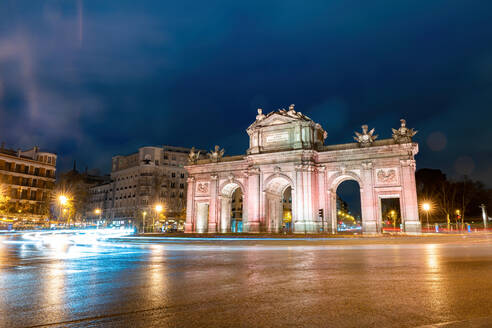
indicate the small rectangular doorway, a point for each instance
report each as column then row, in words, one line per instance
column 391, row 215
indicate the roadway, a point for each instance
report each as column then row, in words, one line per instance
column 438, row 281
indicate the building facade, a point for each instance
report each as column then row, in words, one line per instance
column 140, row 181
column 287, row 152
column 27, row 180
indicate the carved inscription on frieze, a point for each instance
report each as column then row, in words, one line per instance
column 387, row 176
column 277, row 137
column 202, row 187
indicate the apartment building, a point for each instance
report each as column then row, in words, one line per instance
column 140, row 181
column 27, row 180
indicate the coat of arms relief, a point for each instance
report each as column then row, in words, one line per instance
column 202, row 187
column 387, row 176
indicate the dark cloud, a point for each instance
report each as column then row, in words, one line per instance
column 91, row 79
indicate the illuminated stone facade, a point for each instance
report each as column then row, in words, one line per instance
column 287, row 149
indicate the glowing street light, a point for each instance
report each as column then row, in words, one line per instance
column 98, row 211
column 158, row 210
column 144, row 213
column 393, row 216
column 426, row 207
column 63, row 200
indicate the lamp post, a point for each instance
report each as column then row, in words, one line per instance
column 484, row 215
column 97, row 211
column 158, row 210
column 426, row 207
column 144, row 213
column 63, row 200
column 458, row 217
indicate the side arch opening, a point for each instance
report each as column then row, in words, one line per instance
column 346, row 206
column 279, row 210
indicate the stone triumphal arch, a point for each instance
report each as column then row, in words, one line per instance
column 287, row 152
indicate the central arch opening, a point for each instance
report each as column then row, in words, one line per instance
column 232, row 210
column 278, row 205
column 348, row 209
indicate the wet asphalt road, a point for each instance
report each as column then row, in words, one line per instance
column 381, row 282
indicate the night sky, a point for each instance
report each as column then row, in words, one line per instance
column 92, row 79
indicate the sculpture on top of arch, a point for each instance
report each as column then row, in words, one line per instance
column 287, row 149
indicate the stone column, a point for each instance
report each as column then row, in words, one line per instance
column 411, row 220
column 369, row 203
column 190, row 204
column 305, row 221
column 202, row 213
column 310, row 219
column 332, row 211
column 213, row 209
column 225, row 214
column 321, row 204
column 298, row 215
column 253, row 224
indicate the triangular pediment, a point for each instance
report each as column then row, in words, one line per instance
column 277, row 118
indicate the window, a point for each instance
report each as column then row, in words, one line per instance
column 182, row 175
column 173, row 174
column 156, row 162
column 173, row 185
column 174, row 158
column 165, row 156
column 181, row 185
column 181, row 195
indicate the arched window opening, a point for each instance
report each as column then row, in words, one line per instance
column 237, row 211
column 348, row 209
column 287, row 210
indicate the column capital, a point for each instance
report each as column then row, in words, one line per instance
column 214, row 176
column 408, row 162
column 305, row 167
column 253, row 171
column 190, row 179
column 367, row 165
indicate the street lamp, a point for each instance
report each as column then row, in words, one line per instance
column 97, row 211
column 63, row 200
column 144, row 213
column 426, row 207
column 158, row 210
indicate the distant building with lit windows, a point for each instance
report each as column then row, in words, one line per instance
column 27, row 180
column 139, row 181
